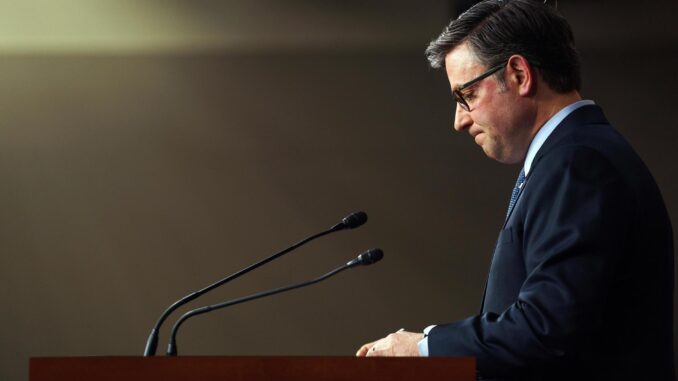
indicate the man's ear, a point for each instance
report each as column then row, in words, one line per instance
column 520, row 74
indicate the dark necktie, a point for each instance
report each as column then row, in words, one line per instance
column 516, row 191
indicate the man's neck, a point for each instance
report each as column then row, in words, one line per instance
column 545, row 106
column 549, row 105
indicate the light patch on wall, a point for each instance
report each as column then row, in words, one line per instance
column 44, row 26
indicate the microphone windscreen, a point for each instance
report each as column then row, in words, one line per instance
column 371, row 256
column 354, row 220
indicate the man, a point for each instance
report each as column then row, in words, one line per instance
column 581, row 281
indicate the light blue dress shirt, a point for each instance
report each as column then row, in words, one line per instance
column 538, row 140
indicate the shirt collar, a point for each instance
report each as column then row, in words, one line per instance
column 546, row 130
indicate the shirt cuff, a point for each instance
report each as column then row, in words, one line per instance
column 422, row 345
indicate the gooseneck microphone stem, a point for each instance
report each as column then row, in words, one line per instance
column 367, row 258
column 172, row 346
column 152, row 342
column 352, row 221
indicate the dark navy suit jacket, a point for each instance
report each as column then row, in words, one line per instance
column 581, row 281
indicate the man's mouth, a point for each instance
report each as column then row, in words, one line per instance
column 476, row 135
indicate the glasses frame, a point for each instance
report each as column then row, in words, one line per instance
column 459, row 96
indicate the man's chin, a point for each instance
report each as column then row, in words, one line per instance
column 490, row 152
column 500, row 156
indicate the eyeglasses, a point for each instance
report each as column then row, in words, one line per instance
column 459, row 96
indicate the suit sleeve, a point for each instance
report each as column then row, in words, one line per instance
column 574, row 210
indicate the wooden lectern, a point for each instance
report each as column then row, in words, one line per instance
column 274, row 368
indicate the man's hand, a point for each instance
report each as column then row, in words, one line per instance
column 400, row 343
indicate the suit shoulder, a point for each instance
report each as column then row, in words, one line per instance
column 598, row 142
column 582, row 161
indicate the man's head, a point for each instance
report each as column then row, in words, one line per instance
column 529, row 49
column 498, row 29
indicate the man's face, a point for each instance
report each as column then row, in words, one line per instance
column 498, row 118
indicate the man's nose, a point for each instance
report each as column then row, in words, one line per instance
column 462, row 119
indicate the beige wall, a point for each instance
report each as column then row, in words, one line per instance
column 129, row 180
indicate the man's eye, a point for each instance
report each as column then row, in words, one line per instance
column 469, row 96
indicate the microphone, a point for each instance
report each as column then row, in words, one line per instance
column 351, row 221
column 367, row 258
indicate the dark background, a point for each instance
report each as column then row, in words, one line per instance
column 148, row 149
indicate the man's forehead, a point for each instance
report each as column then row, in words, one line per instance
column 461, row 64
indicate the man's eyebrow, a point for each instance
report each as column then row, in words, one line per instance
column 456, row 86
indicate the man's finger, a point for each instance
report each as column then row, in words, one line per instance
column 362, row 352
